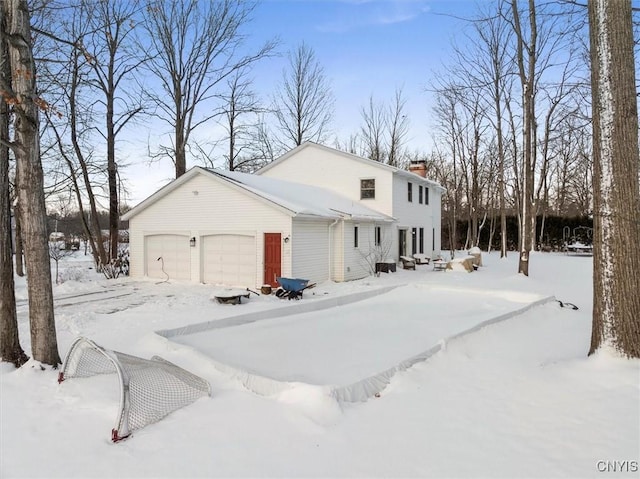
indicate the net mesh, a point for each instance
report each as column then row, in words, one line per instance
column 150, row 388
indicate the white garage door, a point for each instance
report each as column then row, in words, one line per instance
column 229, row 260
column 168, row 256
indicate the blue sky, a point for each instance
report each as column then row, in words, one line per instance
column 366, row 47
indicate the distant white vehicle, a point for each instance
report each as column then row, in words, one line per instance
column 56, row 236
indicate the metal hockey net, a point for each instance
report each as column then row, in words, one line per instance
column 149, row 388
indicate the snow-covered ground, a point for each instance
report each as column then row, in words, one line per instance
column 518, row 398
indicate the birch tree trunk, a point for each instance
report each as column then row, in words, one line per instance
column 616, row 275
column 44, row 344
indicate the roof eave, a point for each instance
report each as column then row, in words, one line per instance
column 414, row 176
column 372, row 219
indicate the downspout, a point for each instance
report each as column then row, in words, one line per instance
column 335, row 222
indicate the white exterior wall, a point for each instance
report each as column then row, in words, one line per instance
column 416, row 215
column 437, row 220
column 333, row 171
column 359, row 262
column 339, row 252
column 338, row 247
column 311, row 249
column 203, row 206
column 355, row 265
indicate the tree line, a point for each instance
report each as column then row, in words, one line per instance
column 559, row 231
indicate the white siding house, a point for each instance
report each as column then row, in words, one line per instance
column 237, row 229
column 381, row 187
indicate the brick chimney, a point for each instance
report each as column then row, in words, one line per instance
column 419, row 168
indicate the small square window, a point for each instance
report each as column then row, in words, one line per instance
column 367, row 189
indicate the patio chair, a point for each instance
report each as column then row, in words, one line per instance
column 407, row 262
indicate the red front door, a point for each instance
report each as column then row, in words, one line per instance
column 272, row 258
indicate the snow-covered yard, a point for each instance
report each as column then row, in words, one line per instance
column 518, row 398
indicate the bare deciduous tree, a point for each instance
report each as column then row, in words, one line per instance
column 448, row 125
column 351, row 145
column 495, row 38
column 527, row 76
column 398, row 127
column 113, row 63
column 616, row 282
column 194, row 47
column 10, row 349
column 87, row 65
column 66, row 73
column 304, row 103
column 471, row 125
column 56, row 253
column 263, row 145
column 372, row 131
column 22, row 95
column 241, row 102
column 384, row 130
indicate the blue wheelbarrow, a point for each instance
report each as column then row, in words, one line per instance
column 292, row 288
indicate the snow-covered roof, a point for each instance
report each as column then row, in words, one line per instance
column 297, row 199
column 302, row 200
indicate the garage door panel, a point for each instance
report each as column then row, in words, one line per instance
column 229, row 260
column 168, row 255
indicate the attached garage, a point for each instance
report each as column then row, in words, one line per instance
column 229, row 259
column 236, row 229
column 167, row 255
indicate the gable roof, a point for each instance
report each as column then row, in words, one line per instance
column 296, row 199
column 393, row 169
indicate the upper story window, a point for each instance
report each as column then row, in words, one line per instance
column 410, row 192
column 426, row 195
column 420, row 194
column 367, row 189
